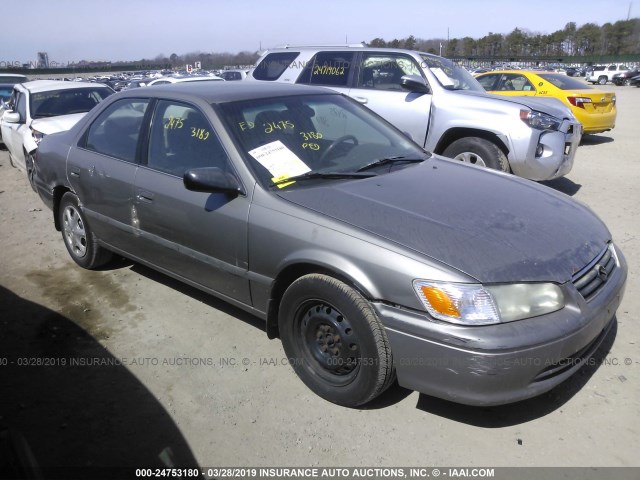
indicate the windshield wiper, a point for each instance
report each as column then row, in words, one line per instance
column 388, row 160
column 324, row 175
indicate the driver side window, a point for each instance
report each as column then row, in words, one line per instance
column 383, row 72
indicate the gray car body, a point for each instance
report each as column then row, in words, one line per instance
column 376, row 234
column 441, row 116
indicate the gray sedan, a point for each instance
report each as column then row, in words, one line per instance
column 369, row 257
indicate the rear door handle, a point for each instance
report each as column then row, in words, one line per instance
column 75, row 171
column 362, row 100
column 144, row 196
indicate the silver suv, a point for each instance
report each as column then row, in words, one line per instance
column 439, row 105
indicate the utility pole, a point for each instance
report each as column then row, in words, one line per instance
column 629, row 11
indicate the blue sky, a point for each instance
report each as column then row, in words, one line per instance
column 73, row 30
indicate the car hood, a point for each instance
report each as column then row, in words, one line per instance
column 491, row 226
column 548, row 105
column 60, row 123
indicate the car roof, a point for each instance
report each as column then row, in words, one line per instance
column 222, row 92
column 530, row 72
column 333, row 48
column 11, row 76
column 36, row 86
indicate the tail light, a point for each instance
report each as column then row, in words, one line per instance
column 579, row 101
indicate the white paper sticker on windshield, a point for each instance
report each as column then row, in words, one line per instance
column 440, row 75
column 279, row 160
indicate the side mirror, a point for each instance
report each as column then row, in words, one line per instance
column 414, row 83
column 11, row 117
column 211, row 180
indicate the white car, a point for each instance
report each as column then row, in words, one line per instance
column 235, row 74
column 7, row 81
column 167, row 80
column 43, row 107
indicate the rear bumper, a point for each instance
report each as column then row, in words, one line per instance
column 598, row 122
column 498, row 364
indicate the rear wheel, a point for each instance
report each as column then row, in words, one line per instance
column 80, row 241
column 478, row 151
column 627, row 82
column 602, row 80
column 335, row 341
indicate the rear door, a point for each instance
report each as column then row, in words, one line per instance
column 102, row 168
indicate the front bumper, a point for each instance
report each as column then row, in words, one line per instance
column 558, row 151
column 505, row 363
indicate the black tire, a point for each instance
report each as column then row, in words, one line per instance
column 80, row 241
column 31, row 169
column 335, row 341
column 602, row 80
column 478, row 151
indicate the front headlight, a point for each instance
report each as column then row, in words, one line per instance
column 37, row 136
column 474, row 304
column 539, row 120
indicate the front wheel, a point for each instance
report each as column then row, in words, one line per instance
column 80, row 241
column 335, row 341
column 478, row 151
column 31, row 168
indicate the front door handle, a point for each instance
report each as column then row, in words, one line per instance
column 362, row 100
column 75, row 171
column 144, row 196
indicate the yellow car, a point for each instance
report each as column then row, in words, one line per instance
column 595, row 109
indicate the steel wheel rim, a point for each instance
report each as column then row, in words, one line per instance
column 330, row 344
column 470, row 157
column 74, row 231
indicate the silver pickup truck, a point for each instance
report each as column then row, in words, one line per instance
column 439, row 105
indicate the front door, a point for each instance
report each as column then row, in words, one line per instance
column 377, row 86
column 201, row 237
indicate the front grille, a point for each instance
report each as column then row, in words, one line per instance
column 592, row 278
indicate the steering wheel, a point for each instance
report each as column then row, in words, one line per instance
column 335, row 143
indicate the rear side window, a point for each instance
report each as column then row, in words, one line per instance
column 328, row 68
column 273, row 65
column 563, row 82
column 116, row 131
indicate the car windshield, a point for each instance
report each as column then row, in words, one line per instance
column 563, row 82
column 5, row 91
column 315, row 137
column 67, row 101
column 450, row 75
